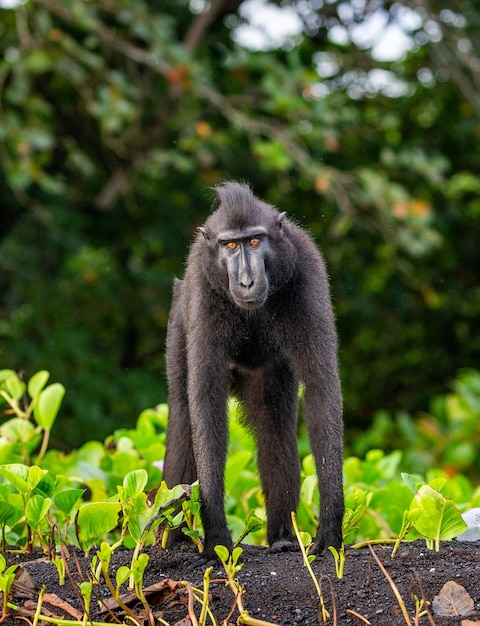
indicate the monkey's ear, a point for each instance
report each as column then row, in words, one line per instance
column 204, row 231
column 280, row 219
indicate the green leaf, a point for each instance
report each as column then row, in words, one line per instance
column 86, row 588
column 46, row 485
column 66, row 500
column 36, row 509
column 35, row 476
column 15, row 387
column 139, row 516
column 139, row 565
column 334, row 551
column 435, row 516
column 412, row 481
column 438, row 483
column 122, row 575
column 254, row 523
column 7, row 578
column 17, row 475
column 7, row 511
column 236, row 554
column 135, row 482
column 193, row 534
column 37, row 382
column 48, row 404
column 18, row 430
column 222, row 553
column 305, row 538
column 308, row 490
column 6, row 374
column 166, row 498
column 105, row 555
column 94, row 520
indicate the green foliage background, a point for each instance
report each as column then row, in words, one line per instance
column 118, row 115
column 48, row 495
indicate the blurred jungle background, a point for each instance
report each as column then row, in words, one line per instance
column 360, row 118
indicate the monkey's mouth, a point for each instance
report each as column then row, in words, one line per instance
column 250, row 303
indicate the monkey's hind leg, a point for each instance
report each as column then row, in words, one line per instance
column 270, row 399
column 179, row 463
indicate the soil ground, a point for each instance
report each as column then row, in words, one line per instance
column 277, row 586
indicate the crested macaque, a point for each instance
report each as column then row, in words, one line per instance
column 253, row 317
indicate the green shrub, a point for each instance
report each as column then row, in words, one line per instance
column 42, row 490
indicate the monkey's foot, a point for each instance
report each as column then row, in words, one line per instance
column 322, row 542
column 284, row 545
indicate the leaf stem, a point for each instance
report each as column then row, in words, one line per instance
column 393, row 586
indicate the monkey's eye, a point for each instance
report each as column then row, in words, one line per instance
column 254, row 242
column 231, row 245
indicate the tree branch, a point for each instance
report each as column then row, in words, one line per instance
column 200, row 25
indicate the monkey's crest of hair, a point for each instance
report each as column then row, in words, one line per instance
column 240, row 208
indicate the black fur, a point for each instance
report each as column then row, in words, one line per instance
column 259, row 341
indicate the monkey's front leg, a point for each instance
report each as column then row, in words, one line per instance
column 208, row 400
column 324, row 418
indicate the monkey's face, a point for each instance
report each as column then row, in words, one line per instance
column 244, row 256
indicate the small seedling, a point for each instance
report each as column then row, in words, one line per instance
column 360, row 500
column 252, row 524
column 7, row 577
column 86, row 588
column 137, row 572
column 419, row 609
column 32, row 484
column 304, row 539
column 230, row 562
column 104, row 556
column 407, row 524
column 38, row 614
column 43, row 406
column 339, row 557
column 191, row 516
column 232, row 566
column 202, row 620
column 59, row 563
column 141, row 516
column 433, row 515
